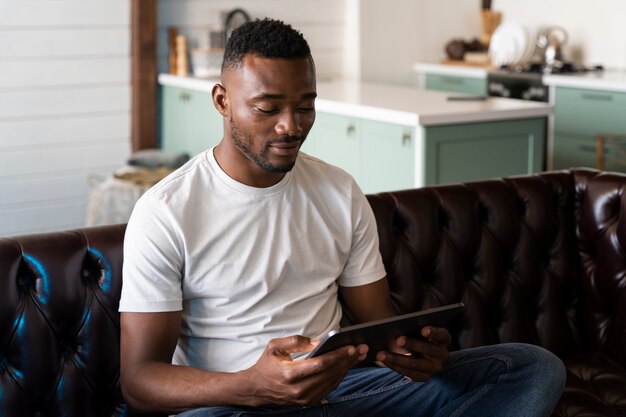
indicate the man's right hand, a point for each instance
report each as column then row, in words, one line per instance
column 277, row 379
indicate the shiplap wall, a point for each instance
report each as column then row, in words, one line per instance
column 64, row 107
column 322, row 22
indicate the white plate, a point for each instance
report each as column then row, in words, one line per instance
column 509, row 44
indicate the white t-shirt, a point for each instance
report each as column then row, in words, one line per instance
column 247, row 264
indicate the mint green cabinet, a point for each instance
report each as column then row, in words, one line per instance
column 456, row 84
column 467, row 152
column 379, row 156
column 388, row 156
column 335, row 139
column 189, row 121
column 580, row 115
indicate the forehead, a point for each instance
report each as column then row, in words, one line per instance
column 259, row 75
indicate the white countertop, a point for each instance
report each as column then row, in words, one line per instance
column 610, row 80
column 605, row 80
column 412, row 106
column 455, row 70
column 399, row 105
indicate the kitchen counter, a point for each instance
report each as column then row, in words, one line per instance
column 454, row 70
column 396, row 104
column 609, row 80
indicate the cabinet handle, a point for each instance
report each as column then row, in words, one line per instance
column 184, row 96
column 452, row 80
column 587, row 148
column 406, row 137
column 597, row 97
column 350, row 128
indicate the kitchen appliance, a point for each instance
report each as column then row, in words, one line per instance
column 551, row 42
column 526, row 81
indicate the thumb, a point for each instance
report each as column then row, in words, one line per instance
column 291, row 344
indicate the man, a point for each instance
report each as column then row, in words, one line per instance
column 234, row 262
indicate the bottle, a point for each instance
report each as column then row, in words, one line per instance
column 171, row 37
column 182, row 65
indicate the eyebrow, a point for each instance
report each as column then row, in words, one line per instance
column 268, row 96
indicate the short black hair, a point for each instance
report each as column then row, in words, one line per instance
column 267, row 38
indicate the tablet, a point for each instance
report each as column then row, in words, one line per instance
column 380, row 334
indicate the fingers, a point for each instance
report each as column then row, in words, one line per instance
column 285, row 345
column 416, row 367
column 339, row 360
column 437, row 335
column 416, row 358
column 279, row 380
column 434, row 345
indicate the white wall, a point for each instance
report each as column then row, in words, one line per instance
column 597, row 29
column 322, row 22
column 397, row 33
column 64, row 107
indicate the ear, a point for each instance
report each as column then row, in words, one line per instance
column 220, row 100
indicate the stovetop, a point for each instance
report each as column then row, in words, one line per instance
column 540, row 69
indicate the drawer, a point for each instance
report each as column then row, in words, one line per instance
column 573, row 151
column 589, row 112
column 456, row 84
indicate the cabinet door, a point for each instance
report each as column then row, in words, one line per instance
column 335, row 139
column 466, row 152
column 580, row 151
column 589, row 112
column 388, row 156
column 456, row 84
column 189, row 121
column 573, row 151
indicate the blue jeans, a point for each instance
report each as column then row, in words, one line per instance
column 500, row 380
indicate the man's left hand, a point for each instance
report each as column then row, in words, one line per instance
column 418, row 358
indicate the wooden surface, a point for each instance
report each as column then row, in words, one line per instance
column 144, row 74
column 461, row 63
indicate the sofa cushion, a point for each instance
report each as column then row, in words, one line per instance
column 595, row 387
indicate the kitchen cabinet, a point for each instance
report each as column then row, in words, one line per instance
column 189, row 121
column 466, row 152
column 580, row 115
column 386, row 156
column 335, row 139
column 452, row 78
column 378, row 155
column 456, row 84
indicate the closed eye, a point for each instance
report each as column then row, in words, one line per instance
column 266, row 111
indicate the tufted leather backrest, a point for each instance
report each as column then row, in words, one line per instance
column 509, row 250
column 601, row 220
column 59, row 326
column 538, row 259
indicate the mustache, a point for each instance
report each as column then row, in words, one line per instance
column 287, row 140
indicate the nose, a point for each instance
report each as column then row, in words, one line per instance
column 289, row 124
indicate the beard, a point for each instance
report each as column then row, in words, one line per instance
column 243, row 141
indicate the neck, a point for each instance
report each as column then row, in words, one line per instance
column 241, row 169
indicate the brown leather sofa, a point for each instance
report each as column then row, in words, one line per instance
column 537, row 259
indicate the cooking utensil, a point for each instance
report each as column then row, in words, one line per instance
column 552, row 41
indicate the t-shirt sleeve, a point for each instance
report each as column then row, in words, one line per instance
column 153, row 261
column 364, row 264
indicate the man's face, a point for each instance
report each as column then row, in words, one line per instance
column 272, row 110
